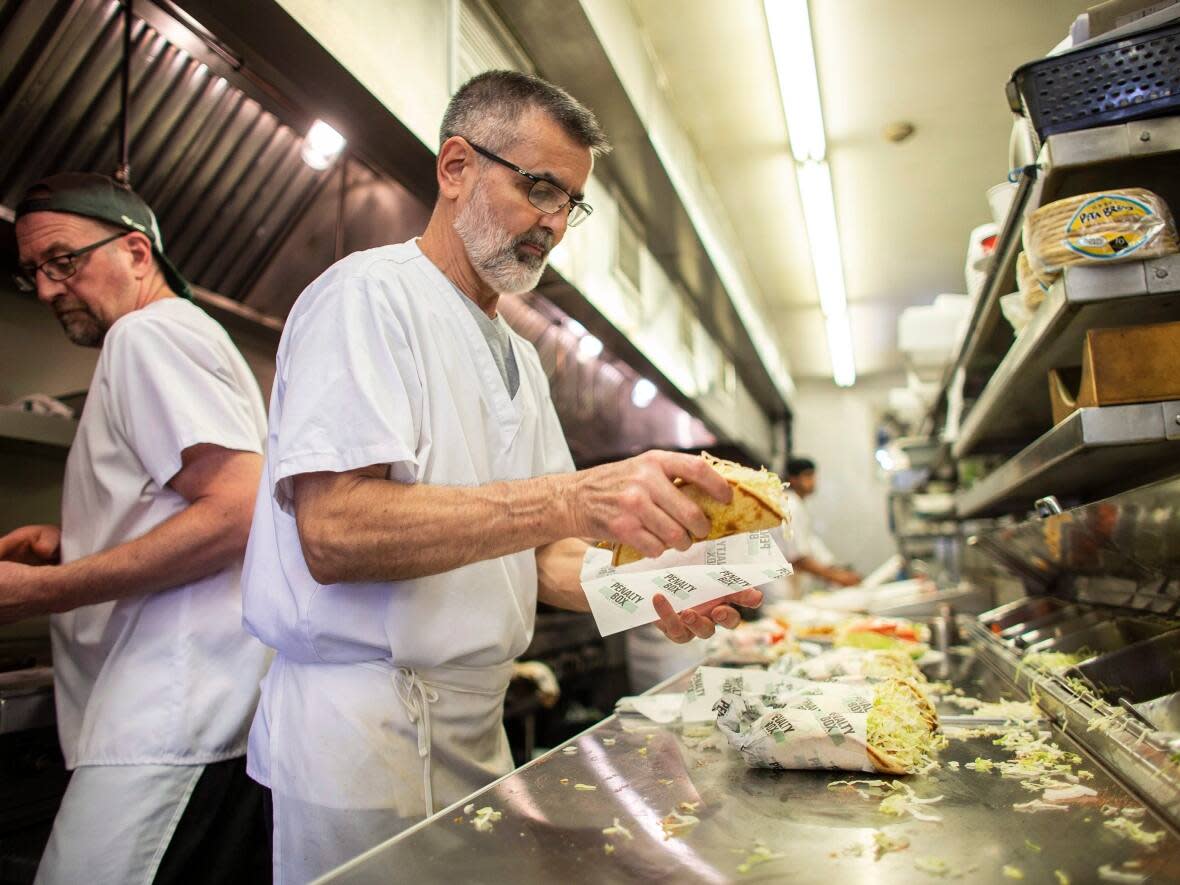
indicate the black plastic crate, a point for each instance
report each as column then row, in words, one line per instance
column 1111, row 82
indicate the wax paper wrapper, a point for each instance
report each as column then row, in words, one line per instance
column 814, row 726
column 710, row 684
column 621, row 598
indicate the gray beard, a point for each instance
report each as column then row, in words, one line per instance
column 494, row 254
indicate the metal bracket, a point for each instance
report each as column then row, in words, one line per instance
column 1171, row 419
column 1049, row 505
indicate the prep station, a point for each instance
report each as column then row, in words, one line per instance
column 1012, row 453
column 603, row 806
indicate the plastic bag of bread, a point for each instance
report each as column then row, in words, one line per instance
column 1033, row 286
column 888, row 726
column 759, row 502
column 1099, row 228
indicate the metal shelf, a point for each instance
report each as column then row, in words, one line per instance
column 1014, row 407
column 26, row 430
column 1094, row 452
column 1143, row 153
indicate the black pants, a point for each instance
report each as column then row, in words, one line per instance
column 222, row 836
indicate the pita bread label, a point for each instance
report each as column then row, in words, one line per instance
column 622, row 597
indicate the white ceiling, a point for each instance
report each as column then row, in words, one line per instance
column 905, row 211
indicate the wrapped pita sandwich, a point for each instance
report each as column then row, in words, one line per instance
column 759, row 502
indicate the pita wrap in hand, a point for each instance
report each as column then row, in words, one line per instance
column 758, row 503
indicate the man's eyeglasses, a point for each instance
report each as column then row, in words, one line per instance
column 544, row 194
column 59, row 267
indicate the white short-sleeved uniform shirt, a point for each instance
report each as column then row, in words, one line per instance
column 169, row 677
column 382, row 363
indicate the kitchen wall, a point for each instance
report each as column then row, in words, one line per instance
column 836, row 427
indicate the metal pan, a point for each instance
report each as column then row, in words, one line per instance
column 1020, row 611
column 1058, row 616
column 1102, row 637
column 1139, row 672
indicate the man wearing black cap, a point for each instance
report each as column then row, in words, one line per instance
column 155, row 680
column 808, row 554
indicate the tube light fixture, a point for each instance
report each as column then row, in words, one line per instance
column 794, row 61
column 840, row 350
column 819, row 215
column 789, row 24
column 322, row 145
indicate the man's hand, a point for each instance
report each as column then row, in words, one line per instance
column 635, row 501
column 700, row 621
column 32, row 545
column 21, row 590
column 844, row 577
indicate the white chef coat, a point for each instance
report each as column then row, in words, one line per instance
column 802, row 541
column 382, row 363
column 167, row 678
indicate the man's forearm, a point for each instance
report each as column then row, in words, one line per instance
column 203, row 539
column 364, row 528
column 559, row 572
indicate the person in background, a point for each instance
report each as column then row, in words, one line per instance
column 418, row 495
column 155, row 680
column 809, row 555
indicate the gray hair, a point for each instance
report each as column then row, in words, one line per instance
column 488, row 107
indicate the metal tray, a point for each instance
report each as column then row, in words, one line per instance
column 1139, row 672
column 1107, row 636
column 1022, row 610
column 1064, row 613
column 1061, row 629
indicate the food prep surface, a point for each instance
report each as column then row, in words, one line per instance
column 645, row 785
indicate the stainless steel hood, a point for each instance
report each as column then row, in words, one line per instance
column 215, row 149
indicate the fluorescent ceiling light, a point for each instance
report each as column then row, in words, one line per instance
column 840, row 349
column 819, row 214
column 794, row 61
column 789, row 25
column 322, row 145
column 643, row 393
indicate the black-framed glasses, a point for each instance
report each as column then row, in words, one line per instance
column 59, row 267
column 544, row 194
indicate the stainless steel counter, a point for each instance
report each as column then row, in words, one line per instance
column 551, row 831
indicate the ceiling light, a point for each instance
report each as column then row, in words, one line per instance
column 789, row 25
column 322, row 145
column 575, row 327
column 589, row 347
column 794, row 61
column 643, row 393
column 819, row 214
column 840, row 349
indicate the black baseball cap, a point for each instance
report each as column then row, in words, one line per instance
column 97, row 196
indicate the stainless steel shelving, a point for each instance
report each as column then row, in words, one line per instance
column 1095, row 451
column 1015, row 404
column 1144, row 153
column 42, row 432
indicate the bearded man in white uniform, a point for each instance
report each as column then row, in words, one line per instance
column 155, row 680
column 418, row 495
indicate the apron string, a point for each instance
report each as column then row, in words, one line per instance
column 416, row 696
